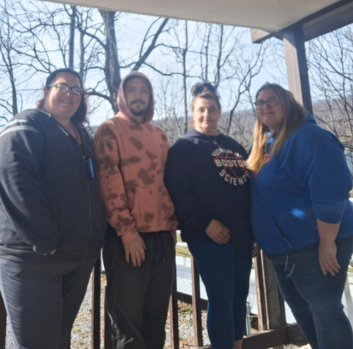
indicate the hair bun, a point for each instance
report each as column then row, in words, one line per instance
column 203, row 87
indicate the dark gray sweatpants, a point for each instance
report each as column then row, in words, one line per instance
column 138, row 297
column 42, row 301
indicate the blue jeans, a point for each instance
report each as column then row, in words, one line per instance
column 225, row 272
column 316, row 299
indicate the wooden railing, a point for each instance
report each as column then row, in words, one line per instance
column 273, row 330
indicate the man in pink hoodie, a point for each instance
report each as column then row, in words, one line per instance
column 139, row 251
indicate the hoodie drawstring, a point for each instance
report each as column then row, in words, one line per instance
column 159, row 249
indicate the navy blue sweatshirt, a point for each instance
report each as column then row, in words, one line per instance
column 209, row 181
column 307, row 180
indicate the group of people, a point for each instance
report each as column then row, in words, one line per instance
column 64, row 195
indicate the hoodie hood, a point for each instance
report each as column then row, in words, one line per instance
column 310, row 118
column 272, row 136
column 124, row 110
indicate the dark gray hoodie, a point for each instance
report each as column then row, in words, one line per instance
column 47, row 202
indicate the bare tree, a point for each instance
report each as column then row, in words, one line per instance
column 94, row 42
column 184, row 53
column 331, row 74
column 245, row 68
column 180, row 45
column 72, row 16
column 169, row 110
column 23, row 53
column 111, row 66
column 41, row 37
column 9, row 63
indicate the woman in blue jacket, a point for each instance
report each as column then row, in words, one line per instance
column 301, row 214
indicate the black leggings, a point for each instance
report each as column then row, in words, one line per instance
column 42, row 301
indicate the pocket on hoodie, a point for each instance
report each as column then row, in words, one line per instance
column 74, row 228
column 152, row 207
column 268, row 234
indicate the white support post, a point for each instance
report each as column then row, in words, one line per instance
column 348, row 298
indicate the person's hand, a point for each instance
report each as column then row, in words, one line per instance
column 218, row 232
column 52, row 252
column 135, row 249
column 327, row 257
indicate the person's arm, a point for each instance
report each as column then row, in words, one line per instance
column 188, row 210
column 329, row 183
column 21, row 191
column 326, row 173
column 165, row 150
column 113, row 193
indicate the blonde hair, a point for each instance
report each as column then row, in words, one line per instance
column 294, row 115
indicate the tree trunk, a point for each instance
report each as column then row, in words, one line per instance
column 82, row 46
column 72, row 37
column 184, row 79
column 112, row 67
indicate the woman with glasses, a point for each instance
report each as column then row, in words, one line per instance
column 208, row 182
column 51, row 217
column 301, row 214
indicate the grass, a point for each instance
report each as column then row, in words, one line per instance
column 181, row 251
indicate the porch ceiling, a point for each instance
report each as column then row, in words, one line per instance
column 269, row 15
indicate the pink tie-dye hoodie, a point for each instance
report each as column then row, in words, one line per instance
column 131, row 158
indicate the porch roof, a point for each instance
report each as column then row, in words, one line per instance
column 316, row 17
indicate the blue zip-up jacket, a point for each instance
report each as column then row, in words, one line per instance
column 307, row 180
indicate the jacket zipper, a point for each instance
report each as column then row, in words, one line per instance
column 87, row 186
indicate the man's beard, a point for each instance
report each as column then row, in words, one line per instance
column 139, row 110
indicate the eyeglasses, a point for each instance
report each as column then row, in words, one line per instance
column 62, row 87
column 271, row 102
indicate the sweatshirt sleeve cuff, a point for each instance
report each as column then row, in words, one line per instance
column 330, row 214
column 329, row 218
column 206, row 223
column 129, row 236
